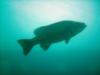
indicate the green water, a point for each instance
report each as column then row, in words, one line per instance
column 81, row 56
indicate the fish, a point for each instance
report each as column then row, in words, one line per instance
column 52, row 33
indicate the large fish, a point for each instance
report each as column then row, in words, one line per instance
column 53, row 33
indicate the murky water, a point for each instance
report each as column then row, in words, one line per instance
column 18, row 19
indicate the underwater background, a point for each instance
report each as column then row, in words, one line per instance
column 19, row 18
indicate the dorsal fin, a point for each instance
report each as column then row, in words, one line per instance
column 39, row 30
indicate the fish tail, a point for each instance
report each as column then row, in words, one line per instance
column 27, row 45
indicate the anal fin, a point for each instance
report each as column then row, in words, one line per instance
column 45, row 46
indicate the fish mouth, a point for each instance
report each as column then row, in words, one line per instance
column 83, row 26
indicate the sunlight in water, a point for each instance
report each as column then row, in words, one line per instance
column 34, row 14
column 51, row 12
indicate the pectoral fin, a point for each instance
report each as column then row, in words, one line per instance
column 45, row 46
column 67, row 40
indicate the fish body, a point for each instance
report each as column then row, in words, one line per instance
column 53, row 33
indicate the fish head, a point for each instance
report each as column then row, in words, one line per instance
column 77, row 27
column 81, row 26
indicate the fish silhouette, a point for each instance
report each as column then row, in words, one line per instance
column 53, row 33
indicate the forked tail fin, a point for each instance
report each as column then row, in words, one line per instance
column 27, row 45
